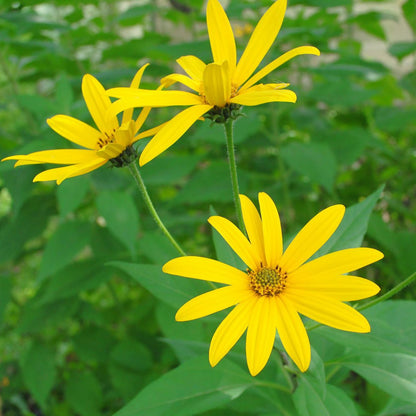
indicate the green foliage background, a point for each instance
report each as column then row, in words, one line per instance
column 83, row 329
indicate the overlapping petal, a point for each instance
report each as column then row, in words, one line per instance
column 257, row 97
column 193, row 66
column 217, row 84
column 183, row 79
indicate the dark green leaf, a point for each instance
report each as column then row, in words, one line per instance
column 5, row 294
column 402, row 49
column 93, row 344
column 131, row 355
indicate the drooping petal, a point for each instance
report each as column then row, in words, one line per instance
column 59, row 156
column 261, row 333
column 312, row 237
column 193, row 66
column 343, row 288
column 202, row 268
column 336, row 263
column 230, row 330
column 183, row 79
column 254, row 228
column 221, row 35
column 292, row 333
column 98, row 103
column 211, row 302
column 327, row 311
column 272, row 230
column 148, row 133
column 301, row 50
column 135, row 83
column 217, row 84
column 257, row 97
column 60, row 174
column 141, row 118
column 171, row 132
column 75, row 130
column 236, row 240
column 260, row 41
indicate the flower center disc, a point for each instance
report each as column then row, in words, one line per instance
column 267, row 282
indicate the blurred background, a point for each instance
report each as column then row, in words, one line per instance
column 80, row 337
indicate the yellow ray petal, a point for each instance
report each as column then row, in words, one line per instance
column 60, row 174
column 98, row 103
column 230, row 330
column 301, row 50
column 60, row 156
column 135, row 83
column 336, row 263
column 312, row 237
column 260, row 41
column 193, row 66
column 221, row 35
column 327, row 311
column 292, row 333
column 75, row 130
column 254, row 228
column 256, row 97
column 172, row 131
column 124, row 135
column 217, row 84
column 236, row 240
column 202, row 268
column 211, row 302
column 183, row 79
column 148, row 133
column 111, row 150
column 141, row 118
column 343, row 288
column 261, row 333
column 272, row 231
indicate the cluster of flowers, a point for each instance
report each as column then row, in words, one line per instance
column 277, row 285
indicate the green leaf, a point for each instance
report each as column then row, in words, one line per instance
column 394, row 373
column 306, row 159
column 67, row 241
column 402, row 49
column 132, row 355
column 83, row 393
column 190, row 389
column 71, row 193
column 156, row 247
column 5, row 294
column 370, row 23
column 394, row 119
column 174, row 291
column 409, row 12
column 93, row 344
column 38, row 369
column 120, row 214
column 338, row 402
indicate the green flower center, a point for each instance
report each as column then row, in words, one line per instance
column 222, row 114
column 267, row 281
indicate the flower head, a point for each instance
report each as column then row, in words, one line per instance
column 110, row 142
column 277, row 286
column 220, row 87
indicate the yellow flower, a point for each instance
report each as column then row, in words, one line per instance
column 222, row 86
column 277, row 285
column 111, row 141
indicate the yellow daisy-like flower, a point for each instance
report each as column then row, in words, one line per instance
column 222, row 86
column 277, row 285
column 111, row 142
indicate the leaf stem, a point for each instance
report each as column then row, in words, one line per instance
column 134, row 170
column 228, row 126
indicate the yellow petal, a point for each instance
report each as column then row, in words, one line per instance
column 171, row 132
column 148, row 133
column 261, row 333
column 292, row 333
column 260, row 41
column 111, row 150
column 221, row 35
column 202, row 268
column 272, row 231
column 60, row 174
column 135, row 83
column 339, row 262
column 301, row 50
column 254, row 228
column 98, row 103
column 236, row 240
column 211, row 302
column 230, row 330
column 193, row 66
column 343, row 288
column 183, row 79
column 61, row 156
column 75, row 130
column 327, row 311
column 312, row 237
column 217, row 84
column 256, row 97
column 143, row 116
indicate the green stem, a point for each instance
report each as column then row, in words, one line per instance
column 134, row 170
column 228, row 126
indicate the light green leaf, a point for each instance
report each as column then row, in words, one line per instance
column 156, row 247
column 190, row 389
column 71, row 194
column 409, row 12
column 339, row 403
